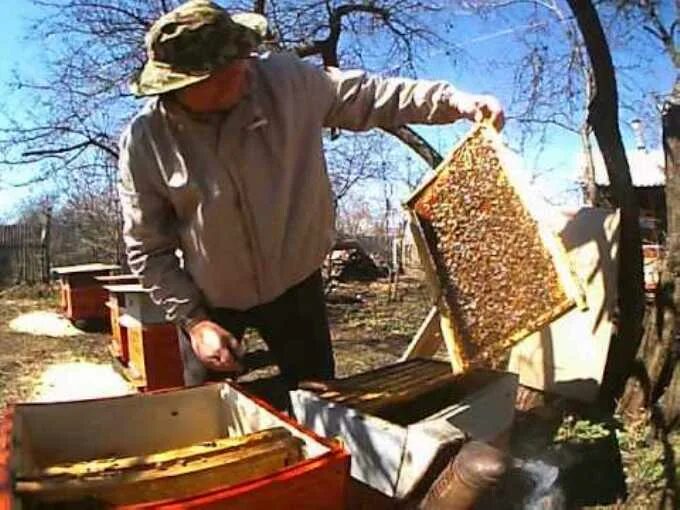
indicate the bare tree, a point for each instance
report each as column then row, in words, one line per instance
column 76, row 108
column 655, row 376
column 573, row 86
column 81, row 101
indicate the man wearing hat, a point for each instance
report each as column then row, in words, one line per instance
column 225, row 163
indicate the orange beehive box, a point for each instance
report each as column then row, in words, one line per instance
column 154, row 361
column 135, row 430
column 142, row 341
column 82, row 296
column 116, row 305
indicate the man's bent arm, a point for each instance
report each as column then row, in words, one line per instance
column 150, row 234
column 358, row 101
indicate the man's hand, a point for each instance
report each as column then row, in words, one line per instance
column 216, row 348
column 479, row 108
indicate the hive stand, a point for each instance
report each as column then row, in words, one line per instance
column 116, row 305
column 82, row 296
column 436, row 328
column 146, row 345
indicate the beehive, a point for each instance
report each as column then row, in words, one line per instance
column 82, row 296
column 497, row 271
column 211, row 446
column 400, row 422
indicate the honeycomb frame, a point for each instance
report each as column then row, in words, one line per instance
column 445, row 237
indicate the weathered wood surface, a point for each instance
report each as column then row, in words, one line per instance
column 427, row 339
column 172, row 474
column 568, row 356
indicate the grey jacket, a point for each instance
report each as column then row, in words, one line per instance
column 245, row 196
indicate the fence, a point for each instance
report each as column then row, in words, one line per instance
column 24, row 253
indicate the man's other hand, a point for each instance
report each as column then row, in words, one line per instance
column 480, row 108
column 216, row 348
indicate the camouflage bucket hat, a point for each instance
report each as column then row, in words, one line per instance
column 187, row 44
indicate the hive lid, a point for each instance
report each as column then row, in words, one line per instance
column 496, row 267
column 126, row 288
column 117, row 278
column 85, row 268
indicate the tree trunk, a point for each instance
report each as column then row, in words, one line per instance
column 671, row 142
column 656, row 361
column 603, row 116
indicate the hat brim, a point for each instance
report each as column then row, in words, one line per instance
column 155, row 79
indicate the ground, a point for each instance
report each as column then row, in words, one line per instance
column 600, row 461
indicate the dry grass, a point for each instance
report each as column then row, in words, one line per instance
column 25, row 357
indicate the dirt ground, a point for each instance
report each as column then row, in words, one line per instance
column 602, row 464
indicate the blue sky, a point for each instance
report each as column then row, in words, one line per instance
column 16, row 53
column 479, row 42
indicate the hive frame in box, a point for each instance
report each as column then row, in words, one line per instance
column 439, row 324
column 398, row 459
column 316, row 483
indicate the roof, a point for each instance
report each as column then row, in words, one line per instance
column 647, row 168
column 117, row 278
column 131, row 287
column 85, row 268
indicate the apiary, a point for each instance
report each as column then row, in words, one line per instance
column 82, row 296
column 401, row 422
column 206, row 447
column 497, row 269
column 142, row 341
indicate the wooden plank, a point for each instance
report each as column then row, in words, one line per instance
column 117, row 278
column 314, row 484
column 125, row 288
column 427, row 339
column 129, row 425
column 568, row 356
column 95, row 267
column 376, row 391
column 458, row 364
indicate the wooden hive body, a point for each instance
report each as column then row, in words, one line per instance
column 82, row 296
column 206, row 447
column 143, row 343
column 153, row 358
column 497, row 270
column 116, row 305
column 402, row 421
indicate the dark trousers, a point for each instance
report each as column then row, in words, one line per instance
column 294, row 326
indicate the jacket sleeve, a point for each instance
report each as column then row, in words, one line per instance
column 358, row 101
column 149, row 231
